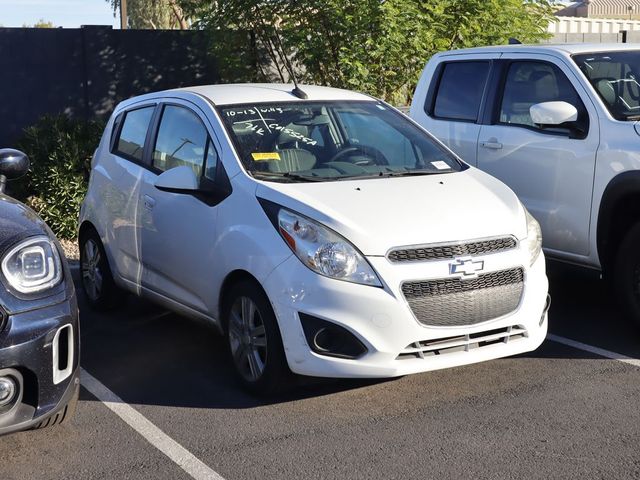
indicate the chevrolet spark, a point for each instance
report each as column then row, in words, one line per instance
column 320, row 230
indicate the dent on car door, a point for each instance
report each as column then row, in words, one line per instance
column 179, row 229
column 550, row 168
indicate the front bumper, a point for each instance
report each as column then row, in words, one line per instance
column 383, row 321
column 42, row 346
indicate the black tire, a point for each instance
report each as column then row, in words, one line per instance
column 275, row 377
column 64, row 415
column 106, row 297
column 627, row 273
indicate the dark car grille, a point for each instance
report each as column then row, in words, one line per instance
column 453, row 301
column 438, row 252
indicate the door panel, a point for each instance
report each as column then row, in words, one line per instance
column 452, row 109
column 551, row 172
column 123, row 192
column 178, row 229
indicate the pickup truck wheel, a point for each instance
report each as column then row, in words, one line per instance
column 254, row 340
column 627, row 273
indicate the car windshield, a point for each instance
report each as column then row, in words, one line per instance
column 325, row 141
column 615, row 76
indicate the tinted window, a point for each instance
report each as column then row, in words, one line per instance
column 460, row 90
column 134, row 132
column 529, row 83
column 182, row 140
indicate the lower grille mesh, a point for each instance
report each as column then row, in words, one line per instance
column 455, row 302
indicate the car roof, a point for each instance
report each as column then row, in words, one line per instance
column 228, row 94
column 561, row 48
column 242, row 93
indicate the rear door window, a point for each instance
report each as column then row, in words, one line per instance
column 460, row 91
column 134, row 132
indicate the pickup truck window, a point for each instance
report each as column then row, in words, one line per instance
column 614, row 75
column 528, row 83
column 460, row 90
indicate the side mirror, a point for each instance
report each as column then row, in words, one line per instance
column 13, row 164
column 553, row 113
column 178, row 180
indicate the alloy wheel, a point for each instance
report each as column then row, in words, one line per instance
column 247, row 339
column 91, row 273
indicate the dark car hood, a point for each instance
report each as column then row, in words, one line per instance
column 17, row 221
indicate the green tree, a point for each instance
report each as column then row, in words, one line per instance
column 153, row 14
column 40, row 24
column 378, row 47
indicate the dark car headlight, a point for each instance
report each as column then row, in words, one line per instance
column 33, row 265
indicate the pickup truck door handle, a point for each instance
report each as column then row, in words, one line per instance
column 491, row 143
column 149, row 202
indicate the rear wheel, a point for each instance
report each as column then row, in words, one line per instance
column 627, row 273
column 254, row 340
column 97, row 280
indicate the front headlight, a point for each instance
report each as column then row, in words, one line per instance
column 534, row 237
column 324, row 251
column 33, row 265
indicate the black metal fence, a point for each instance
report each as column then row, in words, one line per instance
column 85, row 72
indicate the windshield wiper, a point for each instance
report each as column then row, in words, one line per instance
column 395, row 174
column 290, row 176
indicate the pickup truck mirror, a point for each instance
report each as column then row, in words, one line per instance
column 178, row 180
column 553, row 113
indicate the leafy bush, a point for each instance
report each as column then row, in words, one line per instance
column 60, row 151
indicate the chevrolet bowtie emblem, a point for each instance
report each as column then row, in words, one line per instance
column 466, row 267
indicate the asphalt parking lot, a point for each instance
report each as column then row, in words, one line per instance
column 558, row 412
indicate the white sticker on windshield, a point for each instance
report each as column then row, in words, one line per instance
column 440, row 165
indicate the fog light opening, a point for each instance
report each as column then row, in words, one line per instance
column 8, row 390
column 329, row 339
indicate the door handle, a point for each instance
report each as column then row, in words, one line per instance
column 149, row 202
column 491, row 143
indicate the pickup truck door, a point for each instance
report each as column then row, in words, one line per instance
column 550, row 169
column 453, row 100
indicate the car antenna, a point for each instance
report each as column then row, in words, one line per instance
column 297, row 91
column 514, row 41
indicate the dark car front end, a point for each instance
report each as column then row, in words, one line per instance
column 39, row 329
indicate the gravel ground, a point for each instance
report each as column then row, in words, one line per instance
column 70, row 248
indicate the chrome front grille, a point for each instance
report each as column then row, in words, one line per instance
column 462, row 343
column 440, row 252
column 452, row 302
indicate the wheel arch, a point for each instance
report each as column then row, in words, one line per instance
column 619, row 211
column 232, row 278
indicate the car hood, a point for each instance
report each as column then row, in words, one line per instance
column 378, row 214
column 17, row 221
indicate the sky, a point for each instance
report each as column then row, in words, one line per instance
column 63, row 13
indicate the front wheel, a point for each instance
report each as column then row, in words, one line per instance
column 627, row 273
column 254, row 340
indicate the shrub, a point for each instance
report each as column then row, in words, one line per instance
column 60, row 150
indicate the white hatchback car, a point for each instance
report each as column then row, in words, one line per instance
column 323, row 232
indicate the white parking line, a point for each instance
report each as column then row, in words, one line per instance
column 598, row 351
column 156, row 437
